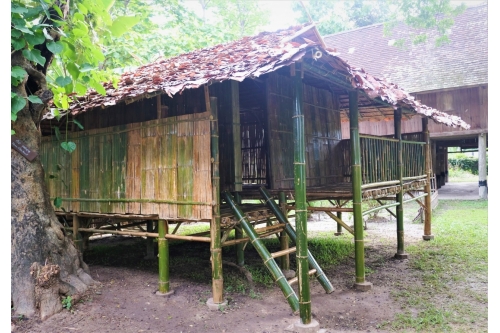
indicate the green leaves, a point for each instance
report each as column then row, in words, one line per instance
column 68, row 146
column 34, row 55
column 55, row 47
column 58, row 203
column 34, row 99
column 17, row 103
column 122, row 24
column 63, row 81
column 17, row 75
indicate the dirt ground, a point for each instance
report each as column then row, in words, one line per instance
column 124, row 300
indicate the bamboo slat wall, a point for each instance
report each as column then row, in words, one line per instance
column 378, row 159
column 154, row 167
column 322, row 133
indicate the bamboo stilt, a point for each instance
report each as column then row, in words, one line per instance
column 428, row 168
column 285, row 260
column 76, row 235
column 163, row 259
column 215, row 230
column 400, row 254
column 359, row 248
column 149, row 241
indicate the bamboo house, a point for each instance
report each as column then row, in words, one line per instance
column 194, row 137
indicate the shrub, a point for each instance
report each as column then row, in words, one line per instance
column 465, row 163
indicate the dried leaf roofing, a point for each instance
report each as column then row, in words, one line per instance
column 251, row 57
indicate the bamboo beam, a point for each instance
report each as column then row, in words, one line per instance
column 215, row 229
column 269, row 262
column 400, row 254
column 428, row 167
column 387, row 209
column 299, row 171
column 359, row 247
column 324, row 209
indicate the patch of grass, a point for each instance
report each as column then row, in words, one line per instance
column 452, row 269
column 329, row 251
column 456, row 175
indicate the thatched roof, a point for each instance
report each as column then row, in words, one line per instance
column 251, row 57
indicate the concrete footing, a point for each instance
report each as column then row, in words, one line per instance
column 363, row 286
column 167, row 294
column 428, row 237
column 401, row 256
column 298, row 327
column 215, row 306
column 338, row 233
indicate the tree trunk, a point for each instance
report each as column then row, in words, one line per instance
column 44, row 262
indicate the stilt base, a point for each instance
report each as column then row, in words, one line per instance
column 338, row 233
column 289, row 274
column 167, row 294
column 428, row 237
column 298, row 327
column 215, row 306
column 363, row 286
column 401, row 256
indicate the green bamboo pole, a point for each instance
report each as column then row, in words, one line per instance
column 359, row 247
column 285, row 260
column 163, row 260
column 428, row 169
column 299, row 172
column 149, row 241
column 269, row 262
column 76, row 235
column 400, row 254
column 238, row 234
column 320, row 275
column 215, row 230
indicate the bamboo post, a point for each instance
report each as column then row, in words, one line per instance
column 359, row 247
column 299, row 172
column 428, row 168
column 215, row 231
column 149, row 241
column 285, row 260
column 269, row 262
column 339, row 216
column 400, row 254
column 76, row 235
column 163, row 260
column 483, row 174
column 238, row 234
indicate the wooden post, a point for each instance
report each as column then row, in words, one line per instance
column 428, row 168
column 163, row 259
column 215, row 231
column 483, row 184
column 400, row 254
column 238, row 234
column 359, row 245
column 339, row 226
column 285, row 260
column 236, row 164
column 299, row 171
column 149, row 241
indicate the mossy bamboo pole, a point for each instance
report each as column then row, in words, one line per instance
column 359, row 246
column 269, row 262
column 299, row 172
column 428, row 168
column 149, row 241
column 163, row 260
column 284, row 243
column 400, row 254
column 238, row 234
column 215, row 229
column 76, row 235
column 320, row 275
column 339, row 216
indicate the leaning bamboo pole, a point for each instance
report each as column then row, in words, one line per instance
column 400, row 253
column 428, row 168
column 215, row 230
column 359, row 246
column 320, row 275
column 238, row 234
column 299, row 171
column 270, row 263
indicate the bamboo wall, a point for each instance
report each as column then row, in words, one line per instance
column 153, row 167
column 322, row 133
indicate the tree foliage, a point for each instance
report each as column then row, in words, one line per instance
column 422, row 15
